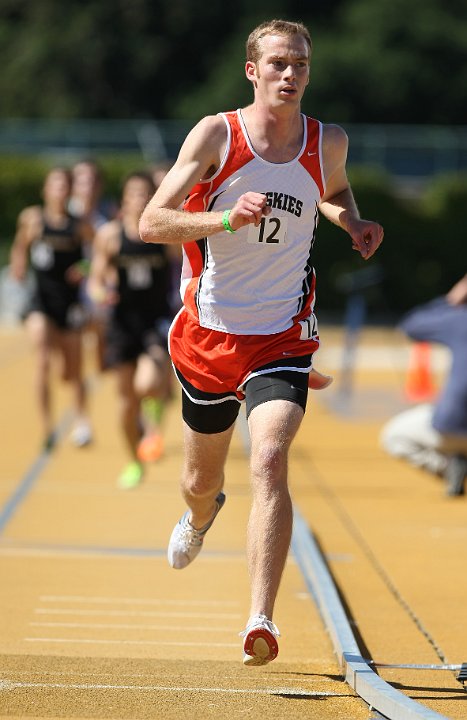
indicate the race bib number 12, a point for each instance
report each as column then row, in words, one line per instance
column 271, row 231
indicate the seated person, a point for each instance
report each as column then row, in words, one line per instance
column 434, row 435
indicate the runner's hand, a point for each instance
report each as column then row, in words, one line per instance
column 248, row 210
column 366, row 236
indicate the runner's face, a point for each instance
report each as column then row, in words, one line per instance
column 56, row 187
column 283, row 70
column 85, row 181
column 136, row 196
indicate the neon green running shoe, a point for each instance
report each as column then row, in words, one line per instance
column 131, row 476
column 152, row 409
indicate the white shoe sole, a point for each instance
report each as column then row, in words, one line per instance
column 180, row 560
column 260, row 647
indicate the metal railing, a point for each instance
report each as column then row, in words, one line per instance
column 412, row 151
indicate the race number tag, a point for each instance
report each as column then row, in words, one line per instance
column 309, row 328
column 139, row 275
column 271, row 231
column 42, row 256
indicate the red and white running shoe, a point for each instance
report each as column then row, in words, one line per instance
column 260, row 644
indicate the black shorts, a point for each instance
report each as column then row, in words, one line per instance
column 211, row 413
column 131, row 335
column 65, row 312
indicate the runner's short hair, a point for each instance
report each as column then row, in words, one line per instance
column 274, row 27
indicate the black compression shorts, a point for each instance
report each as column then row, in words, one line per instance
column 211, row 413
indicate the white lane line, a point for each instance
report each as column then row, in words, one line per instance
column 9, row 685
column 92, row 641
column 135, row 626
column 136, row 613
column 133, row 601
column 141, row 677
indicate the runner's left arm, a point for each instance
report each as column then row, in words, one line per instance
column 338, row 204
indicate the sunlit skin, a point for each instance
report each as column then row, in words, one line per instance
column 282, row 72
column 86, row 185
column 56, row 192
column 136, row 196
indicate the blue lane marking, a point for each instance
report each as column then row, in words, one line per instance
column 107, row 550
column 30, row 478
column 22, row 490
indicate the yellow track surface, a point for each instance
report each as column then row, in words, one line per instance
column 94, row 624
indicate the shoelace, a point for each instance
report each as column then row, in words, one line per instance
column 260, row 621
column 189, row 534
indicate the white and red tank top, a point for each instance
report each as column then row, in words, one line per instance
column 259, row 280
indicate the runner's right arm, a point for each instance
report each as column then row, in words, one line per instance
column 163, row 222
column 28, row 223
column 101, row 281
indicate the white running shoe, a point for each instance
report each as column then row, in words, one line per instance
column 81, row 434
column 260, row 644
column 186, row 542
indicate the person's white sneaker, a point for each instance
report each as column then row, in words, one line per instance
column 81, row 434
column 186, row 542
column 260, row 644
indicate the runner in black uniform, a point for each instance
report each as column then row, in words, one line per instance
column 133, row 277
column 139, row 319
column 88, row 203
column 53, row 253
column 52, row 242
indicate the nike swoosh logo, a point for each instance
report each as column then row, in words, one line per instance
column 311, row 153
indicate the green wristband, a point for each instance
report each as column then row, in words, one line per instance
column 84, row 265
column 225, row 221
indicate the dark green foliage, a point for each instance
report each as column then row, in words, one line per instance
column 423, row 253
column 392, row 61
column 20, row 185
column 389, row 61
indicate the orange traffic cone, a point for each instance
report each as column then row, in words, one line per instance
column 419, row 386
